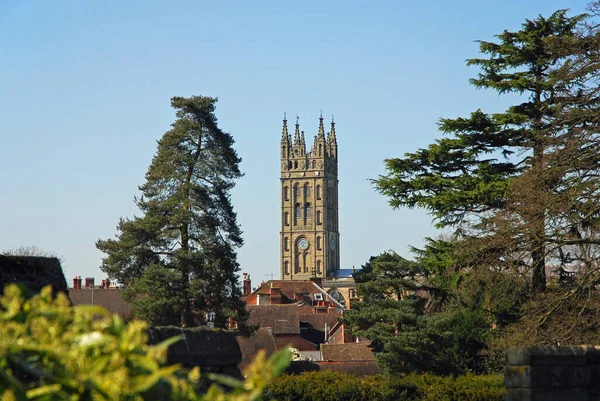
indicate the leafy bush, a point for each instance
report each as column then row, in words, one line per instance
column 334, row 386
column 50, row 350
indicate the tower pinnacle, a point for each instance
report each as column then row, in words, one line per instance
column 297, row 133
column 332, row 132
column 321, row 129
column 284, row 133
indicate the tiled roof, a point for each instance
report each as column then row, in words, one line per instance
column 293, row 290
column 109, row 299
column 318, row 320
column 347, row 352
column 282, row 319
column 262, row 339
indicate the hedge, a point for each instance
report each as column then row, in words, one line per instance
column 335, row 386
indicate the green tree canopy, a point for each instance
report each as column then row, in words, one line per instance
column 178, row 259
column 524, row 179
column 411, row 316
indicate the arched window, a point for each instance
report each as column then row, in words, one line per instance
column 306, row 191
column 286, row 243
column 318, row 267
column 286, row 267
column 286, row 195
column 318, row 192
column 296, row 213
column 307, row 213
column 286, row 219
column 319, row 243
column 304, row 264
column 297, row 264
column 296, row 192
column 319, row 217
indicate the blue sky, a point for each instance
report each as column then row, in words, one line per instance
column 85, row 89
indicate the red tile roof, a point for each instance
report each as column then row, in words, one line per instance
column 347, row 352
column 282, row 319
column 109, row 299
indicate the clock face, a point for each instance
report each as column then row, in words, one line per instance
column 332, row 244
column 303, row 244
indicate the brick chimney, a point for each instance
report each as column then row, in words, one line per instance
column 77, row 283
column 105, row 284
column 89, row 282
column 246, row 285
column 275, row 295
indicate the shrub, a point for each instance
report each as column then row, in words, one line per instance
column 50, row 350
column 330, row 386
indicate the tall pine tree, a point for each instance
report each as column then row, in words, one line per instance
column 514, row 163
column 178, row 259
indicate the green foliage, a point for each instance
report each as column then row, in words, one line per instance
column 178, row 259
column 333, row 386
column 52, row 351
column 412, row 315
column 519, row 182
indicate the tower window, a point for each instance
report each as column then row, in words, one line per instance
column 319, row 243
column 297, row 211
column 319, row 217
column 318, row 267
column 320, row 150
column 286, row 267
column 306, row 191
column 286, row 219
column 286, row 193
column 296, row 164
column 313, row 164
column 304, row 264
column 286, row 244
column 297, row 264
column 318, row 192
column 296, row 192
column 307, row 213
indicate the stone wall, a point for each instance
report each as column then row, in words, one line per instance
column 32, row 271
column 553, row 373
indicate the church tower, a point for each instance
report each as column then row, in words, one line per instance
column 309, row 239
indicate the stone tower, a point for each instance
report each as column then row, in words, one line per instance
column 309, row 239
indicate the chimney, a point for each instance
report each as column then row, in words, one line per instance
column 275, row 296
column 77, row 283
column 105, row 284
column 89, row 282
column 246, row 285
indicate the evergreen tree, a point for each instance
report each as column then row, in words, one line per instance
column 178, row 259
column 409, row 312
column 518, row 177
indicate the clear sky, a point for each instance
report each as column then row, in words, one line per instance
column 85, row 89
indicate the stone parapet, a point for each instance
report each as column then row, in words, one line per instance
column 553, row 373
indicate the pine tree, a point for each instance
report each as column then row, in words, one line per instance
column 178, row 259
column 514, row 164
column 400, row 312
